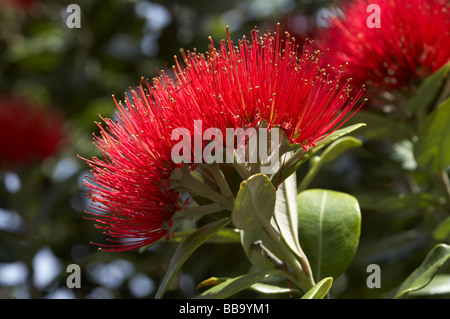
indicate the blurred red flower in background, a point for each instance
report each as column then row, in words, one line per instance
column 411, row 43
column 265, row 79
column 29, row 132
column 24, row 4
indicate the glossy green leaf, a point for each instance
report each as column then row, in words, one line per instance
column 320, row 290
column 422, row 276
column 286, row 214
column 338, row 147
column 439, row 285
column 428, row 91
column 329, row 229
column 332, row 152
column 338, row 134
column 431, row 149
column 262, row 288
column 255, row 202
column 235, row 285
column 185, row 250
column 272, row 289
column 300, row 156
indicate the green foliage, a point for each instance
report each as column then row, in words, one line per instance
column 232, row 286
column 423, row 275
column 438, row 286
column 257, row 245
column 442, row 231
column 187, row 248
column 320, row 290
column 329, row 228
column 379, row 126
column 421, row 102
column 254, row 204
column 300, row 156
column 258, row 287
column 286, row 214
column 331, row 153
column 432, row 148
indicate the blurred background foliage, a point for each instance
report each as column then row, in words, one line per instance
column 75, row 71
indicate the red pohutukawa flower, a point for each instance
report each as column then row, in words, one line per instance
column 262, row 79
column 411, row 42
column 29, row 132
column 130, row 183
column 265, row 80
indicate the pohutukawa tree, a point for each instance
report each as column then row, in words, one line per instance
column 140, row 195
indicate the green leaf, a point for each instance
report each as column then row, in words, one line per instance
column 381, row 126
column 442, row 231
column 235, row 285
column 255, row 202
column 431, row 149
column 338, row 147
column 329, row 228
column 439, row 285
column 332, row 152
column 338, row 134
column 187, row 248
column 262, row 288
column 300, row 156
column 422, row 276
column 272, row 289
column 264, row 256
column 286, row 214
column 210, row 282
column 320, row 290
column 428, row 91
column 223, row 236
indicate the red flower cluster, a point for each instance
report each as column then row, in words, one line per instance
column 130, row 186
column 28, row 132
column 411, row 43
column 264, row 79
